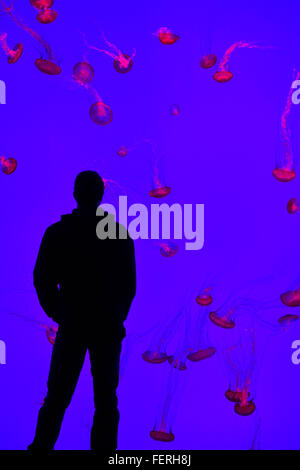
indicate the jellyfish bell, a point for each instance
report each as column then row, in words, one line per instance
column 208, row 61
column 46, row 16
column 8, row 165
column 51, row 333
column 288, row 319
column 154, row 357
column 284, row 174
column 122, row 151
column 201, row 354
column 176, row 363
column 15, row 54
column 47, row 66
column 83, row 73
column 167, row 37
column 168, row 249
column 293, row 206
column 160, row 192
column 123, row 63
column 223, row 76
column 291, row 298
column 245, row 409
column 175, row 110
column 101, row 113
column 162, row 436
column 223, row 322
column 233, row 395
column 204, row 300
column 41, row 4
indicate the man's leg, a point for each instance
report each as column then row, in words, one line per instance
column 105, row 359
column 66, row 363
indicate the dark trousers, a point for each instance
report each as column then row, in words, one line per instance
column 67, row 360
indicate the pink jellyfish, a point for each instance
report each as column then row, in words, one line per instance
column 166, row 36
column 8, row 165
column 223, row 73
column 83, row 73
column 51, row 333
column 122, row 151
column 286, row 320
column 162, row 435
column 208, row 61
column 293, row 206
column 101, row 113
column 224, row 321
column 285, row 172
column 201, row 354
column 155, row 357
column 168, row 249
column 204, row 298
column 160, row 190
column 45, row 15
column 122, row 62
column 13, row 55
column 175, row 110
column 291, row 298
column 47, row 65
column 245, row 407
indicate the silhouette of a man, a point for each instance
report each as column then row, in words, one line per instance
column 86, row 285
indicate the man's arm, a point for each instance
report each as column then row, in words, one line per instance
column 45, row 277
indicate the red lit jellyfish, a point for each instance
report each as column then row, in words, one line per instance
column 240, row 360
column 13, row 55
column 46, row 65
column 174, row 110
column 45, row 14
column 204, row 298
column 51, row 330
column 166, row 36
column 223, row 319
column 168, row 249
column 291, row 298
column 83, row 73
column 286, row 320
column 100, row 112
column 122, row 62
column 293, row 206
column 160, row 189
column 8, row 165
column 208, row 61
column 284, row 171
column 223, row 73
column 200, row 347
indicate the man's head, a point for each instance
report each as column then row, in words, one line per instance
column 88, row 189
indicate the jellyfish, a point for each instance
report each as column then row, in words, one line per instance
column 13, row 55
column 286, row 320
column 122, row 151
column 101, row 113
column 46, row 16
column 8, row 165
column 291, row 298
column 293, row 206
column 50, row 330
column 160, row 189
column 46, row 65
column 208, row 61
column 284, row 171
column 201, row 354
column 240, row 359
column 155, row 357
column 122, row 63
column 83, row 73
column 166, row 36
column 224, row 321
column 175, row 110
column 223, row 73
column 204, row 298
column 168, row 249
